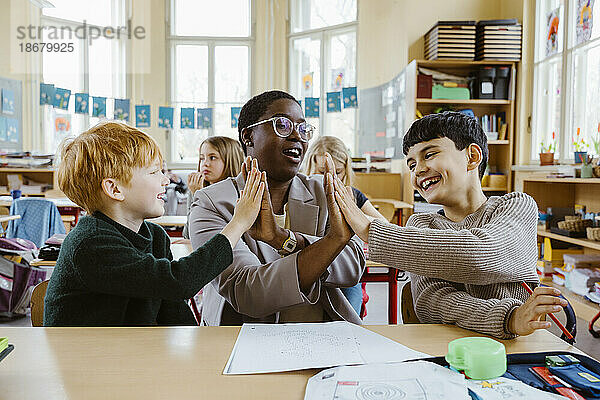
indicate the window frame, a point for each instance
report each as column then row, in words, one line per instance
column 324, row 35
column 122, row 7
column 211, row 42
column 567, row 87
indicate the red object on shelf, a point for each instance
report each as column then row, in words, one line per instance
column 424, row 85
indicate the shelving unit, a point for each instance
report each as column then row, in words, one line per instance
column 41, row 175
column 500, row 151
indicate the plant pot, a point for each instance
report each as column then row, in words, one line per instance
column 546, row 158
column 587, row 171
column 580, row 156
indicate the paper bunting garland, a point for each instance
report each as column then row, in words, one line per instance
column 142, row 116
column 334, row 102
column 165, row 117
column 235, row 116
column 187, row 118
column 99, row 107
column 204, row 116
column 122, row 109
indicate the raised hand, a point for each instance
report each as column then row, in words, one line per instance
column 195, row 182
column 338, row 227
column 249, row 203
column 526, row 318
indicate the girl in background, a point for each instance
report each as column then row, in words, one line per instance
column 220, row 158
column 314, row 163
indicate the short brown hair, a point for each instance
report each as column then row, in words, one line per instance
column 108, row 150
column 230, row 151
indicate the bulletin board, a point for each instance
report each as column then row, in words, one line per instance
column 385, row 114
column 11, row 114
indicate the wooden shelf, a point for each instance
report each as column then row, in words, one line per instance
column 498, row 142
column 493, row 189
column 563, row 180
column 466, row 102
column 590, row 244
column 460, row 63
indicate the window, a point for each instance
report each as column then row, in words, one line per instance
column 322, row 45
column 567, row 76
column 95, row 66
column 211, row 49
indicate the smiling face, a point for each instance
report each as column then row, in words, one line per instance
column 279, row 157
column 439, row 171
column 212, row 164
column 143, row 195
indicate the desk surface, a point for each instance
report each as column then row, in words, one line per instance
column 6, row 201
column 396, row 203
column 177, row 363
column 6, row 218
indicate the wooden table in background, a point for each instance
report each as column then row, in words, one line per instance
column 178, row 362
column 400, row 207
column 167, row 221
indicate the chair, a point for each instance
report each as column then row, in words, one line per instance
column 386, row 209
column 40, row 219
column 37, row 303
column 409, row 316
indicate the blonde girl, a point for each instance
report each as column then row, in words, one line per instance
column 220, row 158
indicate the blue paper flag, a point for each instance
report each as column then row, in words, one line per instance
column 3, row 134
column 204, row 116
column 8, row 101
column 235, row 116
column 61, row 98
column 46, row 94
column 82, row 103
column 142, row 116
column 311, row 109
column 12, row 129
column 122, row 109
column 165, row 117
column 187, row 118
column 350, row 98
column 334, row 102
column 99, row 107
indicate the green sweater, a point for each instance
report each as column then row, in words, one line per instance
column 109, row 275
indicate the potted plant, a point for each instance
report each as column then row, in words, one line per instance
column 580, row 145
column 547, row 151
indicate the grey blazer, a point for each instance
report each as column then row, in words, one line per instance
column 260, row 283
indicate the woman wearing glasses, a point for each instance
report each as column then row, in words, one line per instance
column 291, row 265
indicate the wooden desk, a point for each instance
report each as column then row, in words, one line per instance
column 170, row 220
column 388, row 275
column 6, row 218
column 177, row 362
column 400, row 207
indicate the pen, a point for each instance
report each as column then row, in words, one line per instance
column 552, row 317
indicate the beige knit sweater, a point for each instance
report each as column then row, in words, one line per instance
column 466, row 273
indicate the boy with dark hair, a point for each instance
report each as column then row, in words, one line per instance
column 466, row 262
column 114, row 268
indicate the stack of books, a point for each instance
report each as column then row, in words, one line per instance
column 451, row 40
column 499, row 40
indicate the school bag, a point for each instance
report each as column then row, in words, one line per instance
column 17, row 277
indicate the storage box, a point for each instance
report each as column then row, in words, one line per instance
column 551, row 254
column 450, row 93
column 424, row 86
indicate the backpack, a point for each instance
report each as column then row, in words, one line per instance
column 17, row 277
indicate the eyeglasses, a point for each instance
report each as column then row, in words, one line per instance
column 283, row 127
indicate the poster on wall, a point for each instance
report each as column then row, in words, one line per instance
column 122, row 108
column 61, row 98
column 12, row 129
column 350, row 98
column 552, row 26
column 165, row 117
column 99, row 107
column 337, row 79
column 62, row 125
column 8, row 101
column 3, row 134
column 235, row 116
column 46, row 93
column 187, row 118
column 82, row 103
column 334, row 102
column 307, row 84
column 204, row 116
column 585, row 21
column 142, row 116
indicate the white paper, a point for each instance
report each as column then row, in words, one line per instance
column 390, row 152
column 504, row 388
column 420, row 380
column 262, row 348
column 375, row 348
